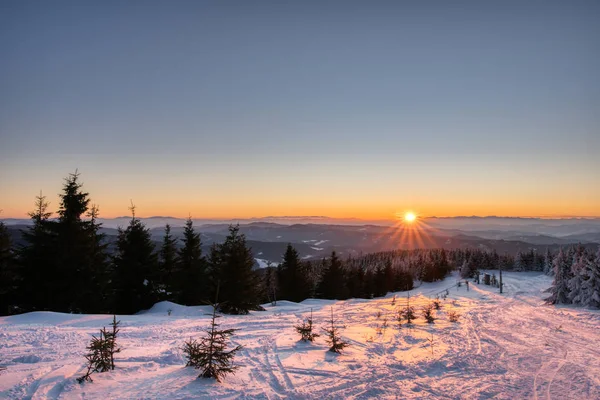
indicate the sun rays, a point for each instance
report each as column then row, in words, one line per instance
column 410, row 231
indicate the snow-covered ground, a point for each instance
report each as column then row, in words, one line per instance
column 508, row 346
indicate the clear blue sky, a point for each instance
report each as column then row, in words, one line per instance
column 333, row 108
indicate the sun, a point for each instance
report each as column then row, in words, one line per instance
column 409, row 217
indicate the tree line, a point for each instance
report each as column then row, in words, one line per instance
column 66, row 265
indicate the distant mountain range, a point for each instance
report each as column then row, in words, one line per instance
column 317, row 239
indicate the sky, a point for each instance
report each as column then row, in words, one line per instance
column 224, row 109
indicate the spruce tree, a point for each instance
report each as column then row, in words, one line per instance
column 333, row 336
column 548, row 267
column 305, row 329
column 292, row 277
column 333, row 281
column 168, row 264
column 210, row 354
column 270, row 284
column 74, row 283
column 80, row 257
column 95, row 295
column 101, row 351
column 37, row 259
column 428, row 313
column 192, row 268
column 559, row 291
column 9, row 274
column 232, row 265
column 356, row 282
column 381, row 282
column 408, row 312
column 135, row 277
column 590, row 286
column 578, row 277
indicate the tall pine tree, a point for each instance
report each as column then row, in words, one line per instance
column 192, row 270
column 37, row 260
column 292, row 274
column 232, row 266
column 168, row 261
column 9, row 274
column 333, row 279
column 135, row 278
column 95, row 296
column 559, row 291
column 80, row 252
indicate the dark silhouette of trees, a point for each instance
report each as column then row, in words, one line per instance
column 135, row 275
column 192, row 276
column 231, row 263
column 333, row 280
column 292, row 276
column 167, row 265
column 9, row 274
column 37, row 261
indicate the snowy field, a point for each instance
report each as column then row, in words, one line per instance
column 508, row 346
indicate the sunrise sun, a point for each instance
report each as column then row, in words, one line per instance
column 410, row 217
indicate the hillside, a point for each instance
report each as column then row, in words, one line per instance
column 504, row 346
column 315, row 241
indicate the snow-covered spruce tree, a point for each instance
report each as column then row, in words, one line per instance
column 136, row 269
column 101, row 351
column 333, row 336
column 518, row 266
column 548, row 267
column 232, row 264
column 559, row 291
column 210, row 354
column 305, row 329
column 578, row 276
column 467, row 270
column 193, row 282
column 590, row 286
column 167, row 265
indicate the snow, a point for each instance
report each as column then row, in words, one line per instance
column 504, row 346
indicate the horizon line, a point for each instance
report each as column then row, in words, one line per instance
column 324, row 217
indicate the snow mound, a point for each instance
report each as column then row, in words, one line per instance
column 169, row 308
column 52, row 318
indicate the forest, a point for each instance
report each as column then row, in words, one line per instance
column 65, row 265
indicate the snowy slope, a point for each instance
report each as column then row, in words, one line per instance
column 509, row 346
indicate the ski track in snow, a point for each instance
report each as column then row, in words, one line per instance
column 508, row 346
